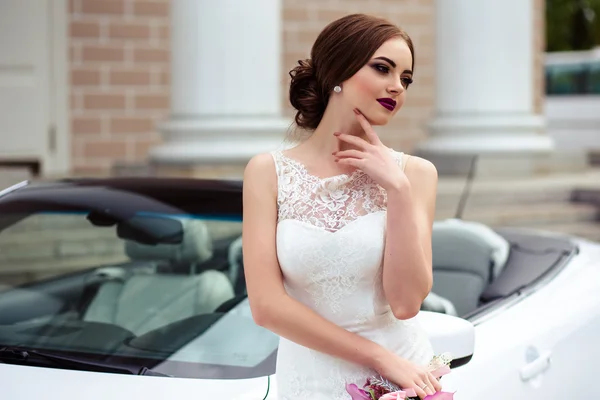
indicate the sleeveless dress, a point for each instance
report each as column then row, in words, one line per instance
column 330, row 242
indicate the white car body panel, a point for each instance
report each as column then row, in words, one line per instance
column 543, row 346
column 552, row 320
column 21, row 382
column 560, row 320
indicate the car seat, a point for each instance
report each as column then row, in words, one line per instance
column 467, row 256
column 236, row 266
column 144, row 301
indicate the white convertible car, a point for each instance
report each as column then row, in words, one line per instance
column 134, row 288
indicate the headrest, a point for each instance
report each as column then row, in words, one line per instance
column 196, row 246
column 459, row 242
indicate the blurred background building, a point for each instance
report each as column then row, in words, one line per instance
column 196, row 87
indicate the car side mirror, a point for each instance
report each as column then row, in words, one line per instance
column 449, row 334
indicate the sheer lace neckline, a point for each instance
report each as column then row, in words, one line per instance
column 326, row 202
column 302, row 167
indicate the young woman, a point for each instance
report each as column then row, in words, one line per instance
column 337, row 230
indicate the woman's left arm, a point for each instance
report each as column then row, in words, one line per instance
column 407, row 264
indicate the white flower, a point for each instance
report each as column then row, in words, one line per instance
column 440, row 360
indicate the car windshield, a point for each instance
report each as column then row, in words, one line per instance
column 147, row 275
column 166, row 291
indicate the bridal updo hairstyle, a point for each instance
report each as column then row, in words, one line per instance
column 340, row 51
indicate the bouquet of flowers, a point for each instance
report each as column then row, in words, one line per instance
column 378, row 388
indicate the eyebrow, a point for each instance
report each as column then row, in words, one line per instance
column 393, row 64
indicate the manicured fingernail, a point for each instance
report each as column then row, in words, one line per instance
column 334, row 153
column 336, row 133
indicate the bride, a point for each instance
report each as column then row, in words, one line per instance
column 337, row 230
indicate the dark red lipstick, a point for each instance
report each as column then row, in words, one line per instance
column 388, row 103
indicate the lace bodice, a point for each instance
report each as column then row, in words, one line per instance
column 328, row 203
column 330, row 242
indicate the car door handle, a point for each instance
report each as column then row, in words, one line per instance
column 536, row 367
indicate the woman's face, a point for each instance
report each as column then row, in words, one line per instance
column 378, row 89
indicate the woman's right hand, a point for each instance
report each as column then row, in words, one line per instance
column 408, row 375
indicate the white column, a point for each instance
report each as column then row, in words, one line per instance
column 484, row 77
column 226, row 86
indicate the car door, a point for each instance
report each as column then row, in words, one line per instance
column 538, row 345
column 563, row 354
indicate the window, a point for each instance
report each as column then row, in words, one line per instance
column 580, row 78
column 167, row 291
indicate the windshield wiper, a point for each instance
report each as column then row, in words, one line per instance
column 23, row 355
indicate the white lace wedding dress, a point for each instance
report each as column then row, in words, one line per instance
column 330, row 242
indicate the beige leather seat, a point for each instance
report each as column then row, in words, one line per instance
column 144, row 301
column 467, row 257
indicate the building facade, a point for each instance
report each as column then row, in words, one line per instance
column 183, row 83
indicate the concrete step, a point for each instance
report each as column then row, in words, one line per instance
column 586, row 230
column 587, row 195
column 497, row 191
column 515, row 164
column 527, row 214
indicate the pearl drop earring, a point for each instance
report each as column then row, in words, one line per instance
column 337, row 89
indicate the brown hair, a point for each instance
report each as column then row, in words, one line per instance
column 340, row 51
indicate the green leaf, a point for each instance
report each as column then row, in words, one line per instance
column 372, row 393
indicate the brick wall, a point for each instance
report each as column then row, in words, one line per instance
column 304, row 20
column 119, row 80
column 120, row 70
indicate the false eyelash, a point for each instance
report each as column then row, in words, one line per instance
column 384, row 69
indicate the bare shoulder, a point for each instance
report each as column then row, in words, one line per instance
column 260, row 171
column 419, row 169
column 259, row 229
column 260, row 164
column 423, row 177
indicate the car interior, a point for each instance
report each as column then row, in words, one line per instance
column 179, row 281
column 468, row 261
column 163, row 297
column 169, row 294
column 475, row 266
column 466, row 258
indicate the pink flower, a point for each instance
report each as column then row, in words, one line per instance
column 357, row 393
column 440, row 396
column 400, row 395
column 441, row 371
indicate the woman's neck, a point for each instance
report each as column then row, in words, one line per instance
column 323, row 142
